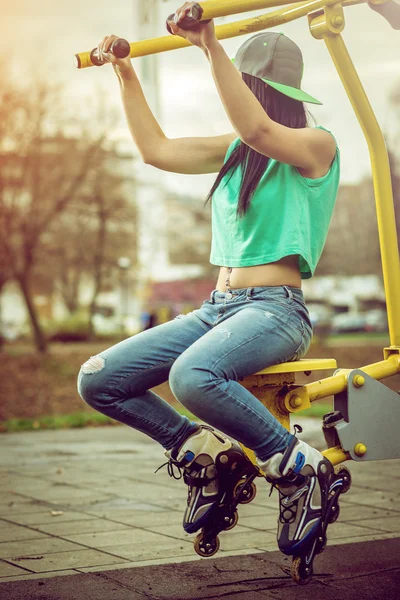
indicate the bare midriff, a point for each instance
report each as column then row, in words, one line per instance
column 283, row 272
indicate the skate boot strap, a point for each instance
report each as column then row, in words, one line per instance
column 294, row 479
column 197, row 481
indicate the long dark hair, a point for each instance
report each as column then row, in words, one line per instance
column 280, row 108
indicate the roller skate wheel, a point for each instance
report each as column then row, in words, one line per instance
column 231, row 521
column 341, row 471
column 206, row 548
column 300, row 572
column 247, row 493
column 335, row 512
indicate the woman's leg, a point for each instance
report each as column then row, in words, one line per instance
column 252, row 335
column 116, row 382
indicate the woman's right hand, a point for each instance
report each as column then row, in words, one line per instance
column 122, row 66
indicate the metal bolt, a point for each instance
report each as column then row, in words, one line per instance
column 337, row 21
column 208, row 546
column 296, row 401
column 223, row 458
column 226, row 519
column 323, row 468
column 245, row 492
column 360, row 449
column 358, row 381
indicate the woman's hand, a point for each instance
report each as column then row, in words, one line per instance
column 122, row 66
column 203, row 35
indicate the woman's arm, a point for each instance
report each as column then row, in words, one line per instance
column 183, row 155
column 311, row 150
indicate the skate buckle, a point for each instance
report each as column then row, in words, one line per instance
column 295, row 496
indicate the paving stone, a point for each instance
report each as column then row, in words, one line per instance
column 15, row 533
column 149, row 550
column 388, row 524
column 67, row 495
column 74, row 527
column 7, row 570
column 16, row 481
column 45, row 516
column 262, row 522
column 40, row 576
column 378, row 498
column 377, row 482
column 152, row 493
column 44, row 545
column 340, row 530
column 176, row 530
column 143, row 518
column 23, row 508
column 232, row 540
column 7, row 498
column 356, row 512
column 251, row 509
column 109, row 538
column 118, row 505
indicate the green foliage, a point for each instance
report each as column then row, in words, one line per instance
column 73, row 328
column 74, row 420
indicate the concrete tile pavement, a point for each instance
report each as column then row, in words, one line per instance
column 87, row 500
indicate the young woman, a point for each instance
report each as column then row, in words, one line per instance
column 271, row 206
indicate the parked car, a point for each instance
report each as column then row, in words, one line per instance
column 376, row 320
column 348, row 322
column 373, row 321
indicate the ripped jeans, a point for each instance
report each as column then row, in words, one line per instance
column 203, row 355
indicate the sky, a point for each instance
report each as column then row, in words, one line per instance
column 42, row 36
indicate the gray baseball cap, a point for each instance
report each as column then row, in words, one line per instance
column 275, row 59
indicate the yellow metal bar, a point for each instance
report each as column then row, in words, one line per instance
column 228, row 30
column 380, row 173
column 272, row 19
column 337, row 383
column 222, row 8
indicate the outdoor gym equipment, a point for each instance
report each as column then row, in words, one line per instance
column 363, row 424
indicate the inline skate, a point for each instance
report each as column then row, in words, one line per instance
column 309, row 490
column 219, row 477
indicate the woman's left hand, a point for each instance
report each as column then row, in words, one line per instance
column 203, row 35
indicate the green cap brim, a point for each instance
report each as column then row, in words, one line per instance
column 292, row 92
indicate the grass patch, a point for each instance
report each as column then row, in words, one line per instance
column 74, row 420
column 317, row 410
column 95, row 419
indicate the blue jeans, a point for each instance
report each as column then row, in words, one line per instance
column 203, row 354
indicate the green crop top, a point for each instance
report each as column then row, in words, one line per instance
column 288, row 214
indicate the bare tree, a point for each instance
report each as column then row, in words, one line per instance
column 43, row 168
column 82, row 247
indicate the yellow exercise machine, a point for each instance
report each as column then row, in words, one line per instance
column 363, row 424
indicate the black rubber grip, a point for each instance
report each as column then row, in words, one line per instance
column 191, row 20
column 120, row 48
column 390, row 11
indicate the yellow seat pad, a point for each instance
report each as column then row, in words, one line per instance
column 305, row 364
